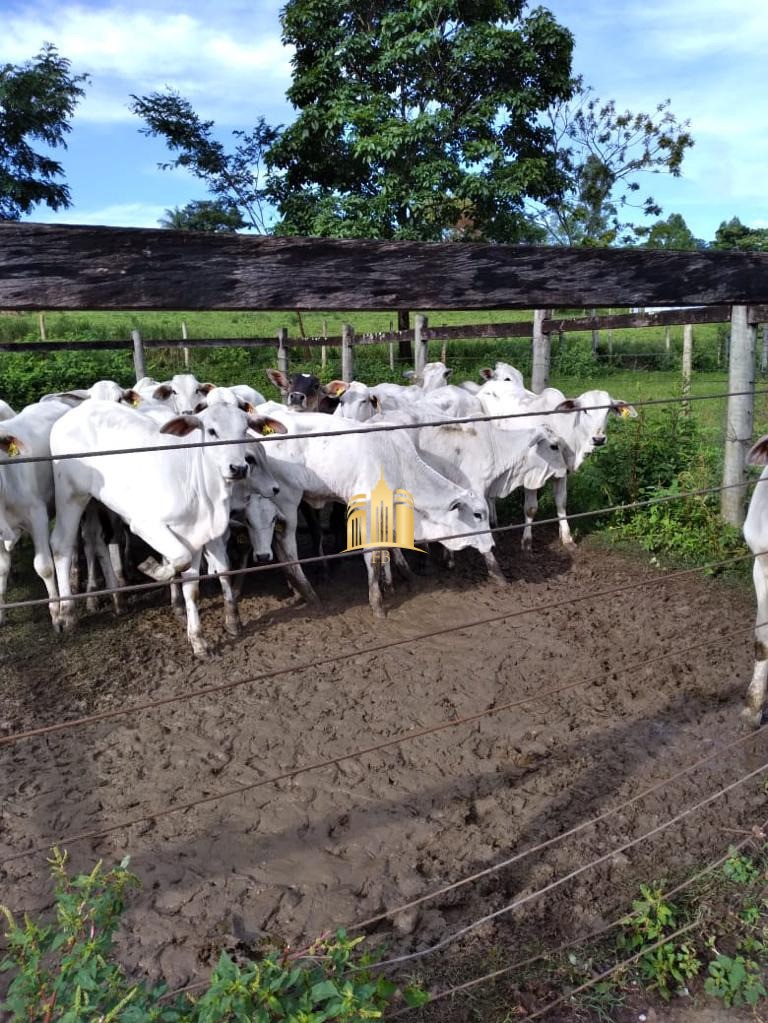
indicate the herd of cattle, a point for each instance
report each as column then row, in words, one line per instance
column 201, row 469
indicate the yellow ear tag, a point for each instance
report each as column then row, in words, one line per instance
column 279, row 527
column 135, row 402
column 13, row 449
column 624, row 412
column 266, row 430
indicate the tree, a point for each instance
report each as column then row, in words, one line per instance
column 416, row 116
column 235, row 178
column 37, row 101
column 672, row 233
column 732, row 234
column 599, row 153
column 204, row 215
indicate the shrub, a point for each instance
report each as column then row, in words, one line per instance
column 65, row 971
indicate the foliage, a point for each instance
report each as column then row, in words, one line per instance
column 37, row 100
column 735, row 979
column 203, row 215
column 672, row 233
column 668, row 967
column 732, row 234
column 600, row 151
column 235, row 178
column 417, row 117
column 66, row 971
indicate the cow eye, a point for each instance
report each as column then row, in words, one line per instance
column 478, row 516
column 212, row 433
column 553, row 447
column 250, row 460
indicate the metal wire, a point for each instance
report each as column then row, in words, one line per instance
column 516, row 903
column 373, row 649
column 378, row 428
column 557, row 838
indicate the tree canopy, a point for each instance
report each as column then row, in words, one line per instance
column 37, row 100
column 414, row 115
column 732, row 234
column 672, row 233
column 600, row 151
column 203, row 215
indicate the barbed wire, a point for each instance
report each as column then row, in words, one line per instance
column 377, row 428
column 365, row 651
column 487, row 871
column 315, row 559
column 598, row 861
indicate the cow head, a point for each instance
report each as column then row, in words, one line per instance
column 432, row 376
column 358, row 403
column 262, row 518
column 503, row 371
column 183, row 393
column 590, row 416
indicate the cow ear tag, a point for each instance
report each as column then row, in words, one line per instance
column 265, row 430
column 13, row 449
column 624, row 412
column 279, row 527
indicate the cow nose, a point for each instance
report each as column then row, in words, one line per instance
column 297, row 398
column 262, row 558
column 275, row 489
column 238, row 472
column 599, row 441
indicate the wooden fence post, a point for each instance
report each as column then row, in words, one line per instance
column 738, row 427
column 667, row 339
column 420, row 348
column 282, row 354
column 764, row 351
column 138, row 356
column 41, row 321
column 324, row 348
column 391, row 351
column 444, row 353
column 687, row 364
column 541, row 353
column 184, row 336
column 347, row 353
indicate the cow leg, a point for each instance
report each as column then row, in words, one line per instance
column 69, row 511
column 218, row 562
column 494, row 569
column 386, row 576
column 753, row 708
column 177, row 555
column 96, row 548
column 560, row 490
column 190, row 587
column 402, row 567
column 531, row 505
column 286, row 550
column 177, row 603
column 238, row 580
column 373, row 566
column 5, row 569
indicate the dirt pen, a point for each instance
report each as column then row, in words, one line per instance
column 602, row 748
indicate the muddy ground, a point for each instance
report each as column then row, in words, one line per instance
column 332, row 846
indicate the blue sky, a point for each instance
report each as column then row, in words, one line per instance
column 706, row 56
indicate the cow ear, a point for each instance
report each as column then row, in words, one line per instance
column 758, row 455
column 486, row 373
column 278, row 378
column 569, row 405
column 181, row 426
column 448, row 371
column 73, row 396
column 245, row 406
column 374, row 399
column 200, row 407
column 11, row 445
column 265, row 425
column 335, row 388
column 163, row 392
column 205, row 388
column 621, row 408
column 132, row 398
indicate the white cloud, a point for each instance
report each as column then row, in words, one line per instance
column 129, row 214
column 136, row 50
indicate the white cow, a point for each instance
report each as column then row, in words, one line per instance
column 580, row 422
column 26, row 491
column 502, row 371
column 357, row 403
column 343, row 466
column 182, row 393
column 102, row 390
column 6, row 412
column 177, row 500
column 756, row 535
column 434, row 375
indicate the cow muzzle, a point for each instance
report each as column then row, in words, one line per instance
column 599, row 441
column 238, row 472
column 262, row 558
column 297, row 400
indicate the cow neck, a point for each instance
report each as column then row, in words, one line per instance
column 212, row 495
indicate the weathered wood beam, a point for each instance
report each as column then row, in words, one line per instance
column 52, row 266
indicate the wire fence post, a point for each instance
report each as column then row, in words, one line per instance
column 324, row 348
column 541, row 353
column 738, row 426
column 764, row 351
column 347, row 353
column 41, row 322
column 138, row 355
column 282, row 354
column 421, row 347
column 687, row 365
column 185, row 350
